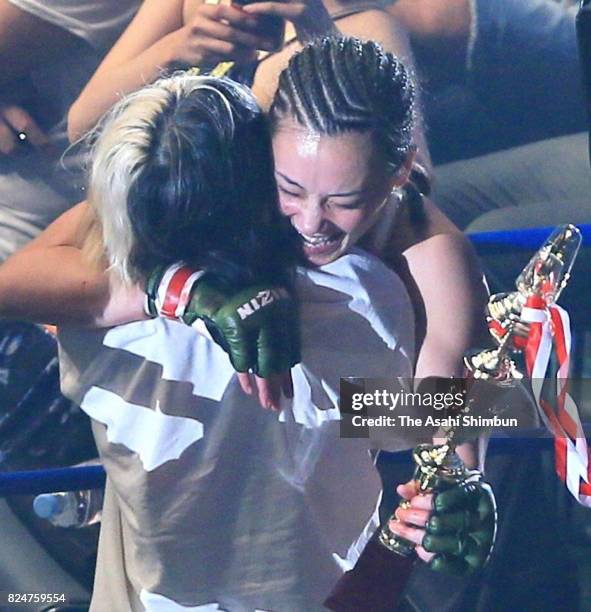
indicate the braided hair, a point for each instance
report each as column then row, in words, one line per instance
column 343, row 84
column 338, row 85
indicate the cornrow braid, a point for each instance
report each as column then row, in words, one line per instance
column 341, row 84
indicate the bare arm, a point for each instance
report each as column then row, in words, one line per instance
column 136, row 59
column 50, row 281
column 454, row 296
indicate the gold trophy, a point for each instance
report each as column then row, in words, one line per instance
column 437, row 466
column 545, row 276
column 378, row 580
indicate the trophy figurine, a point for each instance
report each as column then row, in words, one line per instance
column 542, row 279
column 437, row 468
column 378, row 579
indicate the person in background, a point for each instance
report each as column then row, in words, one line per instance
column 516, row 92
column 48, row 50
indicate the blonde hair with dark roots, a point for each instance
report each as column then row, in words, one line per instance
column 182, row 170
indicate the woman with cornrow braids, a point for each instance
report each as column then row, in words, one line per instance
column 343, row 123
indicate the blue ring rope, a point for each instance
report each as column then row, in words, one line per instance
column 56, row 479
column 93, row 477
column 521, row 239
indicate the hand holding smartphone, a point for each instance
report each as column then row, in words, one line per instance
column 271, row 28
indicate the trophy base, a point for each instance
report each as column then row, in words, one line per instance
column 375, row 584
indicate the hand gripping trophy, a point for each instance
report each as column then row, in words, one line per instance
column 462, row 528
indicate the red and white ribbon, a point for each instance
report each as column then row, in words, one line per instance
column 550, row 331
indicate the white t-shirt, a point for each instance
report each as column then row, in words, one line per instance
column 212, row 502
column 99, row 22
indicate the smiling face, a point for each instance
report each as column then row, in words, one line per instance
column 331, row 187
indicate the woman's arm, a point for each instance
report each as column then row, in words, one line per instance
column 452, row 290
column 136, row 59
column 441, row 272
column 158, row 40
column 446, row 272
column 50, row 281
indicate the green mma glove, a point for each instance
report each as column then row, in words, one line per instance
column 258, row 327
column 462, row 527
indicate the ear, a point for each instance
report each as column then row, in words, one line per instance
column 402, row 175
